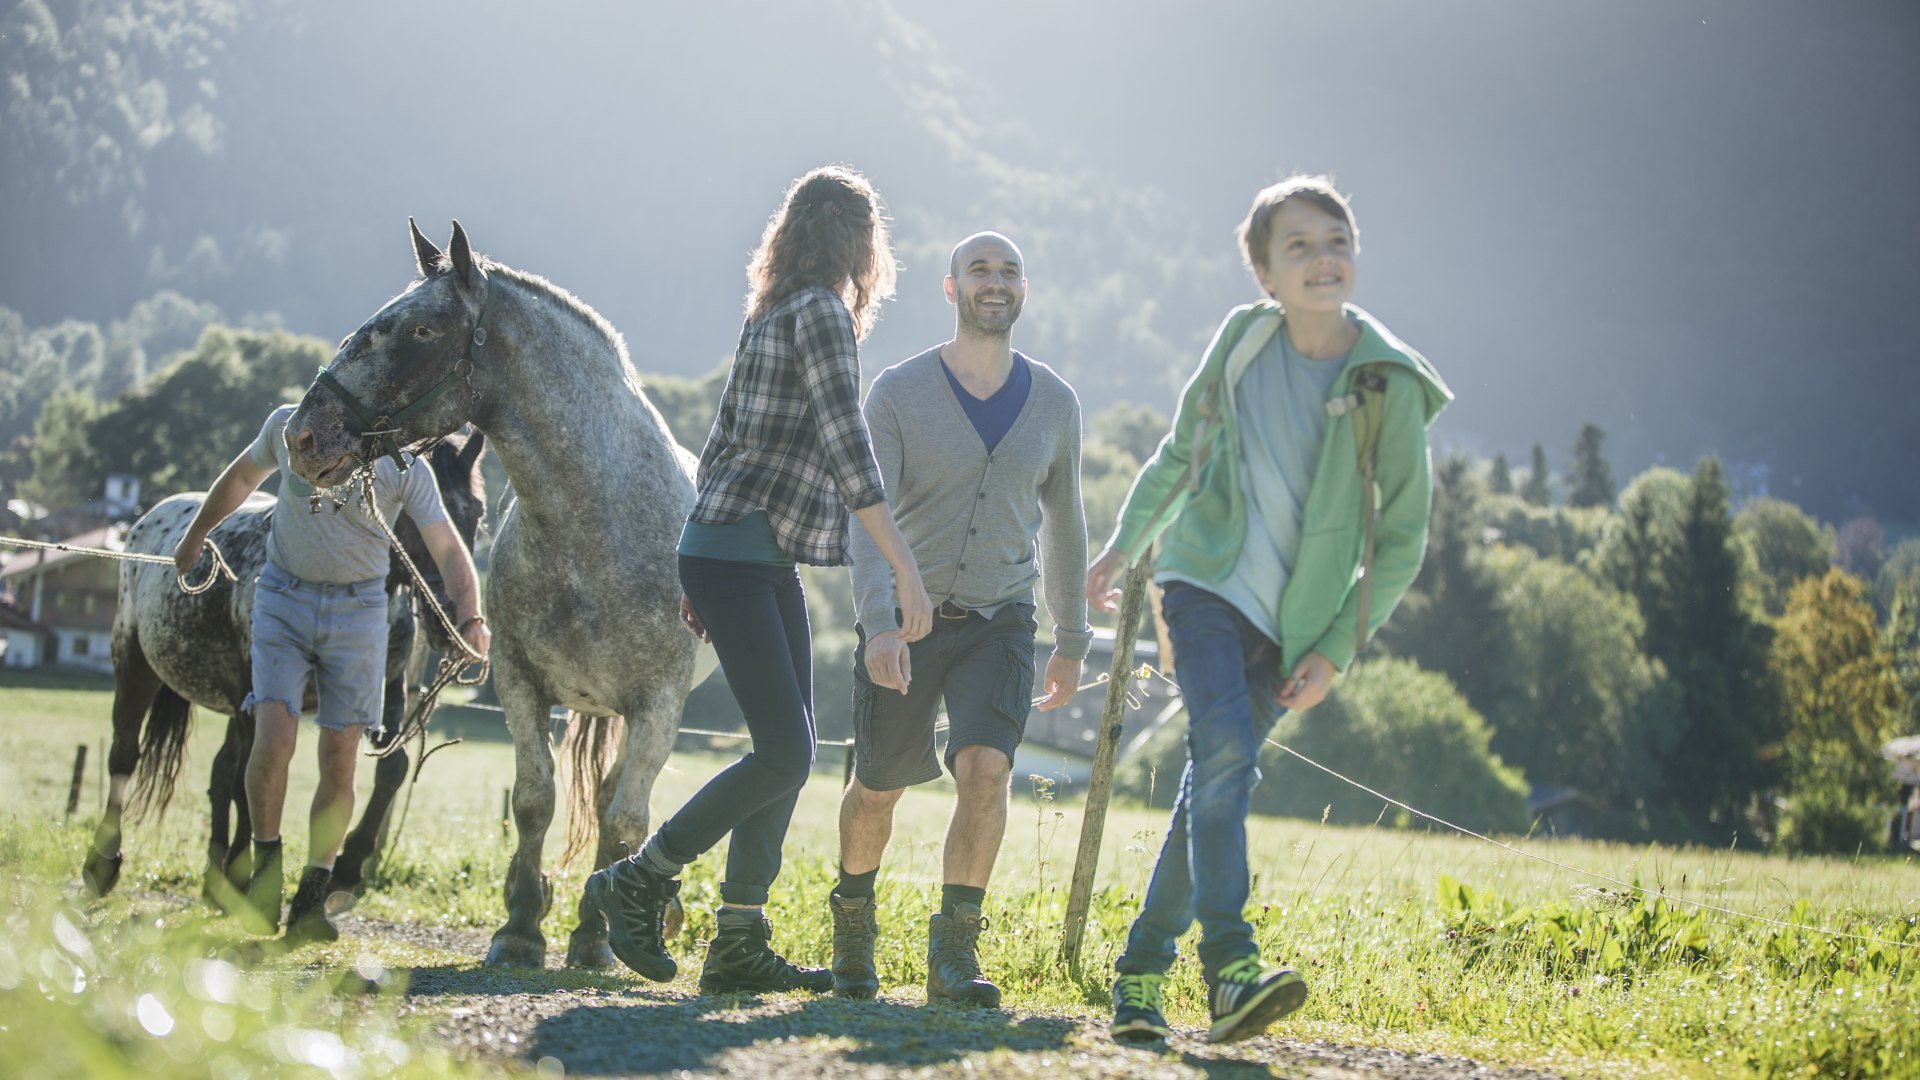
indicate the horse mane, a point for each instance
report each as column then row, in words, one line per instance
column 556, row 300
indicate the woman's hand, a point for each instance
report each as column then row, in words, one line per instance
column 691, row 619
column 916, row 608
column 1103, row 580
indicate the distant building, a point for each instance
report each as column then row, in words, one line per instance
column 62, row 611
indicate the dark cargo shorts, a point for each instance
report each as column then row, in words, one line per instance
column 981, row 668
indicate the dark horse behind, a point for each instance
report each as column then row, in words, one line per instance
column 172, row 651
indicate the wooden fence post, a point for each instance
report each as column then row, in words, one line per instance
column 79, row 774
column 1106, row 748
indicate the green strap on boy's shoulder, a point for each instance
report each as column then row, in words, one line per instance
column 1365, row 401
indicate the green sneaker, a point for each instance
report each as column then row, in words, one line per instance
column 1246, row 996
column 1137, row 1016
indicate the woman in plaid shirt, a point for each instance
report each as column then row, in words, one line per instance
column 787, row 459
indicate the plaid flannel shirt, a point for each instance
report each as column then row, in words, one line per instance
column 789, row 437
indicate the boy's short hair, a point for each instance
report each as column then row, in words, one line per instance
column 1317, row 191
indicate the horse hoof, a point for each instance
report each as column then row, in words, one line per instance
column 517, row 952
column 593, row 953
column 101, row 872
column 675, row 920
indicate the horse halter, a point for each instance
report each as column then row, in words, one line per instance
column 379, row 436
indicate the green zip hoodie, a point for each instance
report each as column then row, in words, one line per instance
column 1202, row 521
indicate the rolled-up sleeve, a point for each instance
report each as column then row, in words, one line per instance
column 829, row 364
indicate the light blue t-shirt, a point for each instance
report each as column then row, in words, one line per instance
column 1280, row 405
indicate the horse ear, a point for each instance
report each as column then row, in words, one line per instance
column 462, row 254
column 425, row 255
column 470, row 453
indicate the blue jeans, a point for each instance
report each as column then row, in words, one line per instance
column 1228, row 671
column 756, row 615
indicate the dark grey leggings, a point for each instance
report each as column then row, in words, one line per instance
column 756, row 616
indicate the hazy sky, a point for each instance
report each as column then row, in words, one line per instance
column 1693, row 223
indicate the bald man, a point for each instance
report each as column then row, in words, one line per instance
column 989, row 480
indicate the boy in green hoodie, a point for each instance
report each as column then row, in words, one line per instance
column 1290, row 501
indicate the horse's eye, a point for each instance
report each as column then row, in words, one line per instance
column 423, row 332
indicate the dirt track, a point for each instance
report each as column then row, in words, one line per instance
column 608, row 1026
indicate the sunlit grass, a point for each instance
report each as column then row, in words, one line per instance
column 1527, row 964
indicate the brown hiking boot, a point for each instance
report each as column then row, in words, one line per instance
column 854, row 929
column 953, row 959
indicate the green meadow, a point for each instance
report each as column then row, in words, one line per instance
column 1410, row 940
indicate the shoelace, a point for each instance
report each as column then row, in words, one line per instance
column 856, row 928
column 1246, row 971
column 964, row 953
column 1139, row 992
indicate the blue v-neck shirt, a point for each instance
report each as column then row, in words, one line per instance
column 994, row 417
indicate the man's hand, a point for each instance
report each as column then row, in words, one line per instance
column 1103, row 578
column 475, row 633
column 1312, row 678
column 691, row 619
column 916, row 609
column 187, row 555
column 889, row 661
column 1062, row 681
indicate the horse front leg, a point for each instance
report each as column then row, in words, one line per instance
column 135, row 685
column 520, row 943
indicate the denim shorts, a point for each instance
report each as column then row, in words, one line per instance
column 330, row 637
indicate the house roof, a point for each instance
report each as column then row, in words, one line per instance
column 12, row 618
column 32, row 560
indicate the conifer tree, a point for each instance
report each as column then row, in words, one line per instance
column 1590, row 480
column 1500, row 478
column 1535, row 490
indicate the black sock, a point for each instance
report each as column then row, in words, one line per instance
column 951, row 896
column 855, row 886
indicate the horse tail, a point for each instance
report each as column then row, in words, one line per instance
column 588, row 750
column 163, row 747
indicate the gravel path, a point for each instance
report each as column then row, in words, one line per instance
column 608, row 1026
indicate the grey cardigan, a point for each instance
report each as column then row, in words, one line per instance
column 973, row 518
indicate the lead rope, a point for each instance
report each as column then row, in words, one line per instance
column 219, row 570
column 452, row 669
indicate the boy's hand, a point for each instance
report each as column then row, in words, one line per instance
column 1312, row 678
column 1102, row 578
column 690, row 619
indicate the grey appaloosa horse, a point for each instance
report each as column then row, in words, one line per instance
column 172, row 651
column 582, row 589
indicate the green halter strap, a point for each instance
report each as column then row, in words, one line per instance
column 382, row 429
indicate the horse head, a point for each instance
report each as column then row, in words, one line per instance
column 403, row 378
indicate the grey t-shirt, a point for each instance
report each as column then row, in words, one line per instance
column 1280, row 405
column 338, row 547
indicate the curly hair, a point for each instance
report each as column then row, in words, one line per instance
column 828, row 231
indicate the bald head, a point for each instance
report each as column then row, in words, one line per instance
column 989, row 246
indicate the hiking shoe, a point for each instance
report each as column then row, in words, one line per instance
column 1137, row 1014
column 1246, row 996
column 740, row 961
column 261, row 913
column 307, row 914
column 634, row 900
column 854, row 929
column 953, row 959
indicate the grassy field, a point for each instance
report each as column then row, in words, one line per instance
column 1413, row 941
